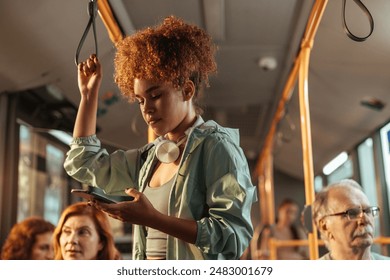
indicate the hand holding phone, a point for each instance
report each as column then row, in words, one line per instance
column 93, row 193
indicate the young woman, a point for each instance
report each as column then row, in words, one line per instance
column 84, row 233
column 30, row 239
column 192, row 188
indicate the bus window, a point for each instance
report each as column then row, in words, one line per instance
column 42, row 187
column 318, row 183
column 341, row 167
column 385, row 141
column 365, row 153
column 367, row 170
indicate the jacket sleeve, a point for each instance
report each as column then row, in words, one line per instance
column 230, row 194
column 89, row 163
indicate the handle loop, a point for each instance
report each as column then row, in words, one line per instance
column 92, row 12
column 368, row 14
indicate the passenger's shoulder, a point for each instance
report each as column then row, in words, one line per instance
column 216, row 132
column 376, row 256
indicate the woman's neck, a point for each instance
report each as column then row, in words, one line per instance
column 180, row 131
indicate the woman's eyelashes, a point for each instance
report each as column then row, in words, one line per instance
column 141, row 101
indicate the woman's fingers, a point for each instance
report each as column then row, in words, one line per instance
column 97, row 65
column 89, row 66
column 134, row 193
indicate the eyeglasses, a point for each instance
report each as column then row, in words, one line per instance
column 356, row 213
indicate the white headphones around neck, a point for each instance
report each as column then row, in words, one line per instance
column 167, row 151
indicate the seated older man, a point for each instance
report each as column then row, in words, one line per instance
column 345, row 219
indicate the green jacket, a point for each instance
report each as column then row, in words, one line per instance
column 213, row 187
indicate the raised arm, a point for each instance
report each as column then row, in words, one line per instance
column 89, row 80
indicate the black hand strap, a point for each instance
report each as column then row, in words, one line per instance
column 370, row 18
column 92, row 12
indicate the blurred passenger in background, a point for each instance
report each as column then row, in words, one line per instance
column 84, row 233
column 287, row 227
column 30, row 239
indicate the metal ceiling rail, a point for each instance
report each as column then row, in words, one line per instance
column 301, row 66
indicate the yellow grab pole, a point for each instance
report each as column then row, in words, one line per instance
column 307, row 145
column 265, row 163
column 307, row 44
column 301, row 65
column 114, row 32
column 269, row 188
column 264, row 167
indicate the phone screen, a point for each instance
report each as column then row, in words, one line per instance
column 93, row 193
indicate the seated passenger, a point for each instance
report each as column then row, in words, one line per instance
column 29, row 239
column 345, row 220
column 84, row 233
column 286, row 228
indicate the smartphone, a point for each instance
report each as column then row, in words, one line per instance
column 93, row 193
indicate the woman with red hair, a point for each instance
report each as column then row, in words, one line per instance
column 29, row 239
column 84, row 233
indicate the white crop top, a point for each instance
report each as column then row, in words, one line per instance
column 156, row 241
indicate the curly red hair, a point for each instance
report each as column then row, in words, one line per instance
column 172, row 52
column 22, row 237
